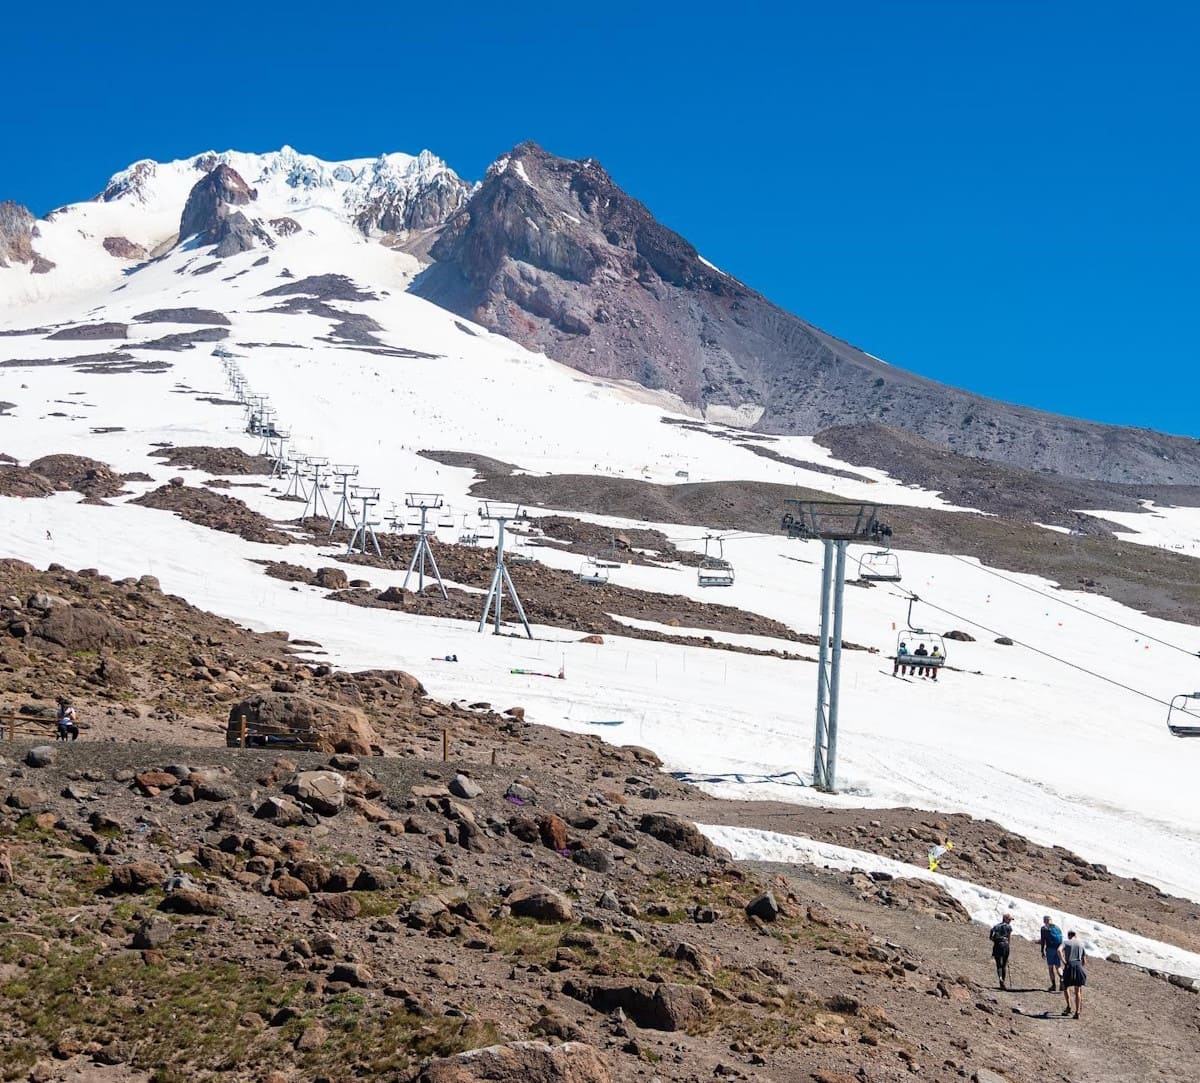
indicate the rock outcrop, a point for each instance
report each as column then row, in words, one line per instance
column 18, row 228
column 209, row 217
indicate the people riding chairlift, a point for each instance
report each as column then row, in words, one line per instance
column 901, row 663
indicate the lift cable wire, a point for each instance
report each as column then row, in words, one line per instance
column 1072, row 605
column 1038, row 650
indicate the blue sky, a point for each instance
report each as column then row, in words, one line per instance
column 1001, row 196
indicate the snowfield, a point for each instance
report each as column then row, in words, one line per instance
column 1048, row 751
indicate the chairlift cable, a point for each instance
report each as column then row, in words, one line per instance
column 1072, row 605
column 1043, row 653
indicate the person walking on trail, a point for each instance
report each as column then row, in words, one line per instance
column 1049, row 941
column 1001, row 937
column 1073, row 957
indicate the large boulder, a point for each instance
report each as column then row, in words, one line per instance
column 520, row 1062
column 322, row 791
column 540, row 903
column 76, row 629
column 662, row 1006
column 678, row 834
column 331, row 727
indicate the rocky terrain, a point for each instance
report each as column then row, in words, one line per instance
column 550, row 252
column 465, row 881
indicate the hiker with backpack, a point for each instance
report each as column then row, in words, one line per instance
column 1001, row 937
column 1049, row 941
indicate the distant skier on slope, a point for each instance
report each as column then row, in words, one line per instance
column 1001, row 937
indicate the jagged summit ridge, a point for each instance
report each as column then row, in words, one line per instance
column 391, row 192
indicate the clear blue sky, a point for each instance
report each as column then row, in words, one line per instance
column 1002, row 196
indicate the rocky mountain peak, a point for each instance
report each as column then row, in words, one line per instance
column 208, row 214
column 18, row 228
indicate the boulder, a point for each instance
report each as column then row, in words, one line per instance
column 764, row 907
column 331, row 579
column 281, row 811
column 465, row 787
column 338, row 907
column 676, row 833
column 77, row 629
column 520, row 1062
column 134, row 878
column 334, row 727
column 541, row 903
column 289, row 888
column 322, row 791
column 153, row 933
column 665, row 1006
column 39, row 756
column 191, row 902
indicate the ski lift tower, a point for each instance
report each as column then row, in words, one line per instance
column 501, row 514
column 316, row 495
column 836, row 524
column 343, row 474
column 425, row 502
column 364, row 531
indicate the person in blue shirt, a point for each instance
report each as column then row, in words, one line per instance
column 1051, row 937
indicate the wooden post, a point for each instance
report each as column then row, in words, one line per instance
column 445, row 745
column 243, row 731
column 493, row 757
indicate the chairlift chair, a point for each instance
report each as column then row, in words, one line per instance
column 882, row 566
column 922, row 650
column 446, row 519
column 1183, row 715
column 590, row 572
column 468, row 536
column 714, row 570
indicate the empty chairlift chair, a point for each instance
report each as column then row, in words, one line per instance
column 714, row 569
column 882, row 566
column 1183, row 716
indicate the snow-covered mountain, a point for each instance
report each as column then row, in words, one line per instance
column 554, row 255
column 138, row 214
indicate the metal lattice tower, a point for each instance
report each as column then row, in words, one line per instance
column 364, row 530
column 295, row 487
column 426, row 502
column 277, row 452
column 343, row 474
column 835, row 524
column 501, row 514
column 316, row 495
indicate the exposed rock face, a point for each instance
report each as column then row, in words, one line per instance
column 208, row 215
column 16, row 233
column 552, row 253
column 123, row 248
column 420, row 196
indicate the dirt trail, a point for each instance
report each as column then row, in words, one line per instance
column 1133, row 1028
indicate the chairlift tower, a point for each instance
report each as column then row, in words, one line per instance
column 364, row 530
column 296, row 465
column 277, row 451
column 316, row 497
column 425, row 502
column 835, row 524
column 501, row 514
column 343, row 474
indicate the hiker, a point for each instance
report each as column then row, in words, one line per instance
column 1072, row 955
column 1049, row 940
column 66, row 726
column 1000, row 936
column 901, row 663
